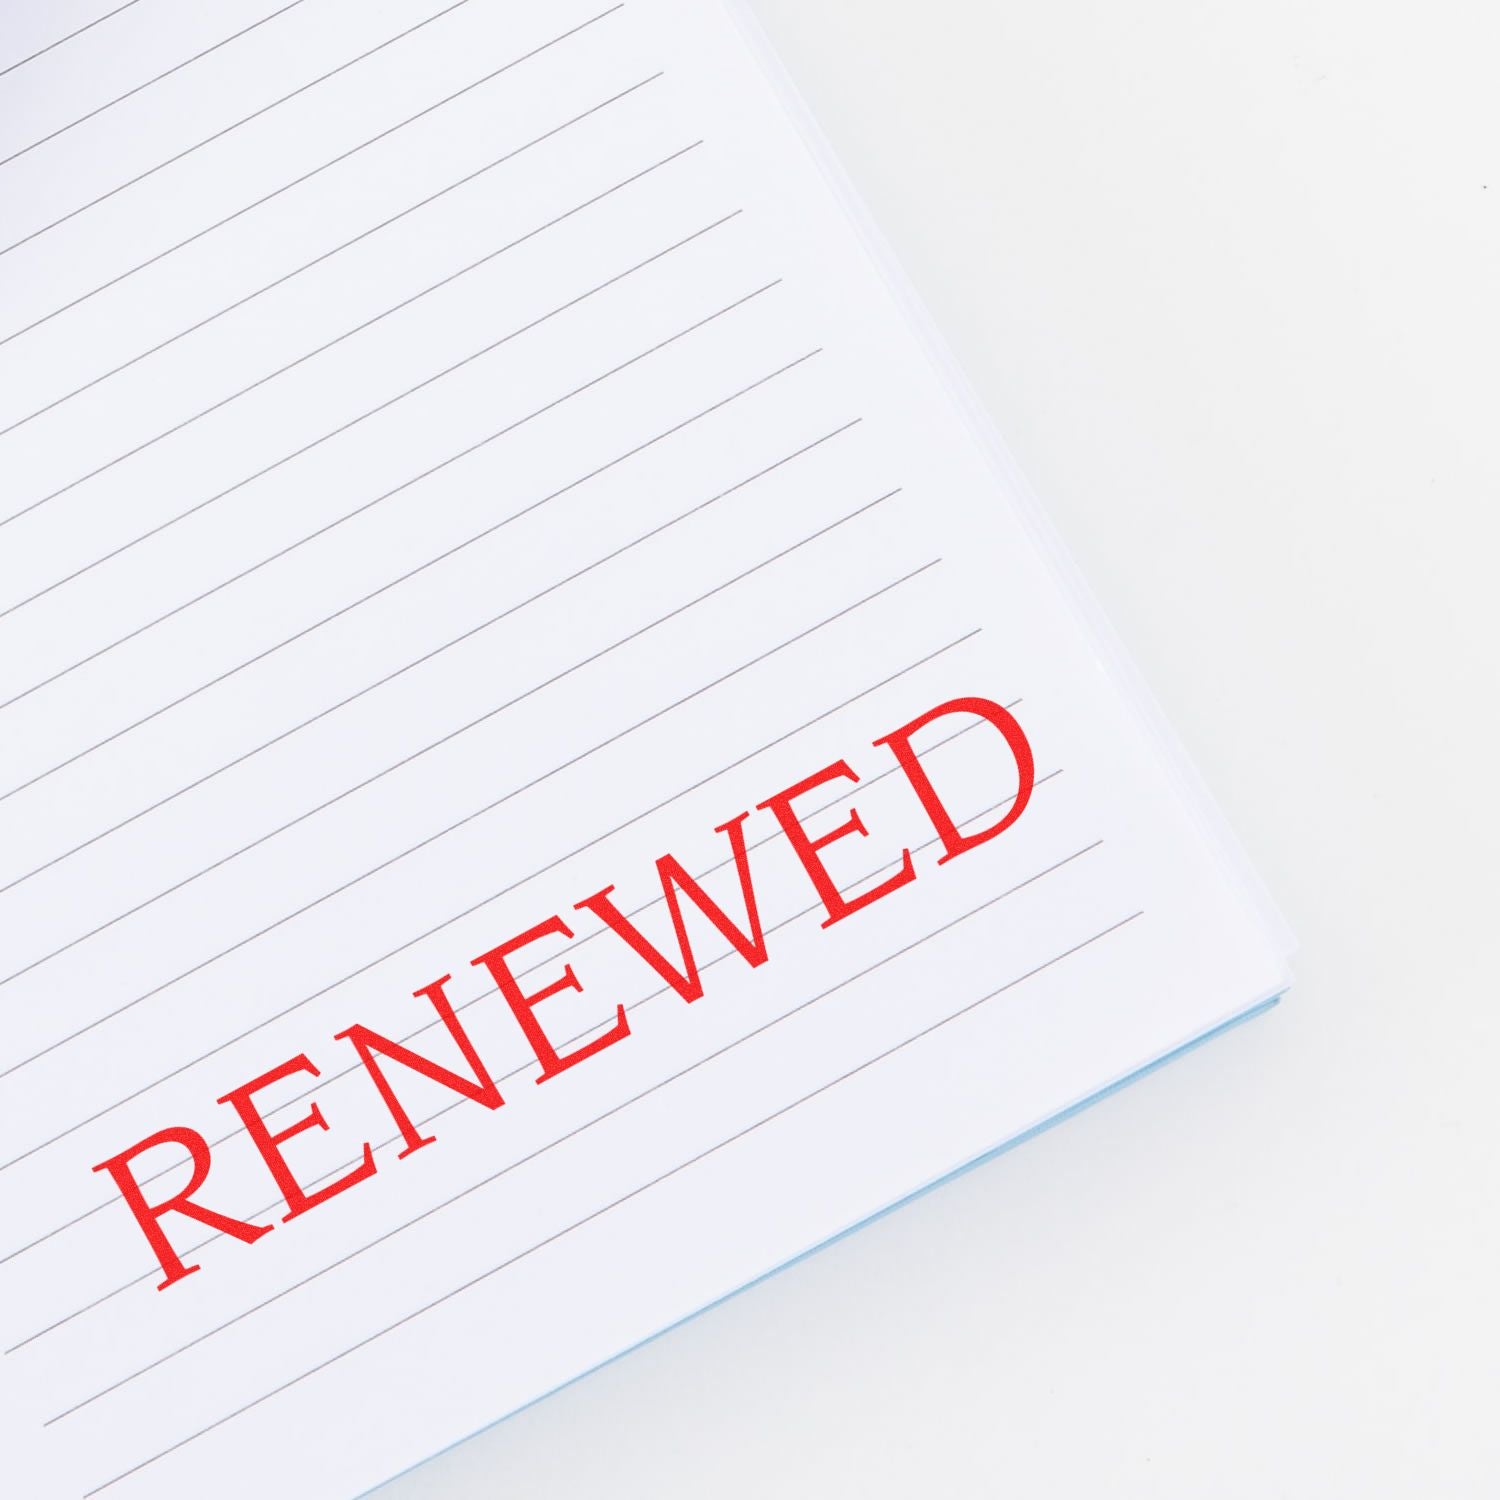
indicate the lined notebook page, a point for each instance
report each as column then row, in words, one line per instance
column 452, row 455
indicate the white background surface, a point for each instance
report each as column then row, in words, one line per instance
column 1228, row 277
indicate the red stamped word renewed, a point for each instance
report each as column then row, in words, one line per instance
column 378, row 1053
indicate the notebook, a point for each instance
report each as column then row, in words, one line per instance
column 548, row 762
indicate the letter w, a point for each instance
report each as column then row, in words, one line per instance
column 751, row 946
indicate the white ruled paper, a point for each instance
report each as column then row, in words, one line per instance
column 452, row 455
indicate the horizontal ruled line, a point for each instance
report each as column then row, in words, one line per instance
column 489, row 807
column 526, row 510
column 349, row 333
column 216, row 135
column 305, row 177
column 578, row 1130
column 312, row 354
column 319, row 259
column 376, row 410
column 138, row 89
column 494, row 896
column 616, row 1203
column 489, row 714
column 63, row 40
column 520, row 422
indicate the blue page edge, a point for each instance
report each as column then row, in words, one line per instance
column 1067, row 1113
